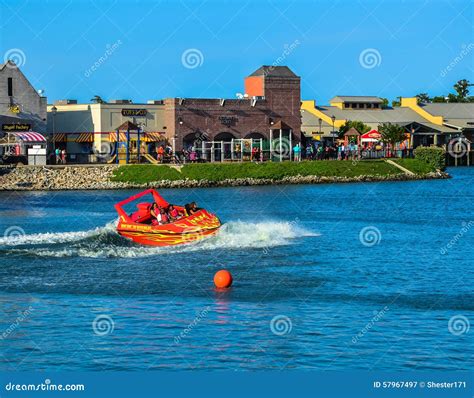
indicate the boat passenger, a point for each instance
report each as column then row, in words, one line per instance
column 191, row 208
column 173, row 213
column 154, row 210
column 162, row 217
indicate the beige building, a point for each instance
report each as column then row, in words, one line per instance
column 84, row 130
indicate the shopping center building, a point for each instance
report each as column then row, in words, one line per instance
column 269, row 109
column 425, row 124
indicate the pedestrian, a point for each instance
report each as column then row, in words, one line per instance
column 57, row 153
column 63, row 156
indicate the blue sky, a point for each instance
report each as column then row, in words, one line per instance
column 384, row 48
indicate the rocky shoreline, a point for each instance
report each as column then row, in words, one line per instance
column 39, row 178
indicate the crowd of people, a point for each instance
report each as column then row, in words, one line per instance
column 164, row 215
column 313, row 150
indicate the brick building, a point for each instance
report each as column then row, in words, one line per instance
column 270, row 106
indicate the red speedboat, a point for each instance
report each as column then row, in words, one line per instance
column 141, row 227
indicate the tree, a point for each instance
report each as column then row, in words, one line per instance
column 439, row 99
column 453, row 98
column 396, row 102
column 423, row 97
column 392, row 133
column 358, row 125
column 384, row 103
column 462, row 89
column 97, row 100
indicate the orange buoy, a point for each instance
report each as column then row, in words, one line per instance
column 223, row 279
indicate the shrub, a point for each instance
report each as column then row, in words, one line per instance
column 432, row 155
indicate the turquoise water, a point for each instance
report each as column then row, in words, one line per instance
column 349, row 276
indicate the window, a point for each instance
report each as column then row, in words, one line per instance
column 376, row 106
column 10, row 87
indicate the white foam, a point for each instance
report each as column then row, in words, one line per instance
column 232, row 235
column 55, row 237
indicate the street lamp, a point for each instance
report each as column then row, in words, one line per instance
column 320, row 121
column 54, row 111
column 333, row 118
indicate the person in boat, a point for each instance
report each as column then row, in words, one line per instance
column 173, row 213
column 191, row 208
column 162, row 217
column 154, row 211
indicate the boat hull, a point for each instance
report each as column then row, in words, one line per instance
column 183, row 231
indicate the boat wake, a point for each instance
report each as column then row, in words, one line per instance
column 103, row 242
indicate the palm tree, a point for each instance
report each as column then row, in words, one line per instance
column 97, row 100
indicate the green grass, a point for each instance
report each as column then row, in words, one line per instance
column 269, row 170
column 417, row 166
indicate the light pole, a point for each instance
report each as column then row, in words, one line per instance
column 54, row 111
column 320, row 121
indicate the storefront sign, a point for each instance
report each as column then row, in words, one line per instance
column 134, row 112
column 228, row 120
column 16, row 127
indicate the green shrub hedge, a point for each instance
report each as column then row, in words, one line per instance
column 434, row 156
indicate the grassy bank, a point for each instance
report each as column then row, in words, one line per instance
column 415, row 165
column 219, row 172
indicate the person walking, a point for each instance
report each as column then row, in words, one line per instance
column 63, row 156
column 297, row 153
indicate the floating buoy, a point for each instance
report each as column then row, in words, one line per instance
column 223, row 279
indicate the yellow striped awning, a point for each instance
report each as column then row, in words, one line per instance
column 154, row 137
column 59, row 137
column 113, row 137
column 85, row 137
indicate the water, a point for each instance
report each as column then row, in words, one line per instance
column 348, row 276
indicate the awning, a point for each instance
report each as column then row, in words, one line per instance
column 371, row 136
column 30, row 136
column 113, row 137
column 85, row 137
column 59, row 137
column 154, row 137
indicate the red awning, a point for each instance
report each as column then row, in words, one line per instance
column 373, row 134
column 30, row 136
